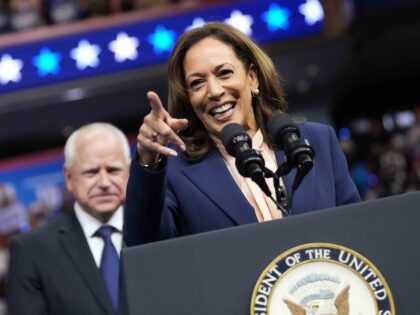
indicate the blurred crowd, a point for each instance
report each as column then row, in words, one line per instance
column 21, row 15
column 17, row 218
column 385, row 161
column 13, row 220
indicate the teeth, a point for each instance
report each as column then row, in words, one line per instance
column 221, row 109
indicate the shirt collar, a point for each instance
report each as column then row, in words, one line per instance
column 90, row 224
column 258, row 140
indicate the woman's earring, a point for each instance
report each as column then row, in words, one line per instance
column 255, row 92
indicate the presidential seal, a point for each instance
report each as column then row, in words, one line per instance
column 321, row 279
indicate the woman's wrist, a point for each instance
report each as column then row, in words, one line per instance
column 152, row 165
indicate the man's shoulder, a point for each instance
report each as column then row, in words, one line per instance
column 45, row 233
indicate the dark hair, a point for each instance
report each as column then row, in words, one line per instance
column 269, row 101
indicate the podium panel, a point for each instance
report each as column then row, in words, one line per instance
column 216, row 272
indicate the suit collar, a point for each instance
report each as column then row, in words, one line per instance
column 221, row 188
column 90, row 224
column 76, row 247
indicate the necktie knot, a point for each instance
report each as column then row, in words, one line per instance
column 105, row 232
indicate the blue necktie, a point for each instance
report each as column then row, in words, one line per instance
column 109, row 264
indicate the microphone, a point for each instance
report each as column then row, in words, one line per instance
column 298, row 152
column 249, row 162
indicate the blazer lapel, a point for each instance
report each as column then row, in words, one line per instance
column 213, row 178
column 75, row 245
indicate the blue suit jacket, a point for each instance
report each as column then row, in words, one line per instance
column 186, row 198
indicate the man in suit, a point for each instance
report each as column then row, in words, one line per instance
column 59, row 269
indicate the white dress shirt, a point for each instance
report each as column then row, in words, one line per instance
column 90, row 225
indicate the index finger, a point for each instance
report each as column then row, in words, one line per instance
column 156, row 104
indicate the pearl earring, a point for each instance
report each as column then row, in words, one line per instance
column 255, row 92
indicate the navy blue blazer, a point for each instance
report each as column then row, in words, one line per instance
column 191, row 197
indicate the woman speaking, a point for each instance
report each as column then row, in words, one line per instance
column 183, row 181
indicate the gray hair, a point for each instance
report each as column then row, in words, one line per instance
column 70, row 146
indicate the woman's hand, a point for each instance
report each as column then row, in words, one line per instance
column 158, row 129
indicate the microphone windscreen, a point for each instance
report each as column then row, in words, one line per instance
column 279, row 125
column 231, row 134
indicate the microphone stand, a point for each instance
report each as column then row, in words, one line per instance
column 282, row 202
column 285, row 169
column 281, row 198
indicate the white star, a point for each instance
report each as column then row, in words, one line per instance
column 197, row 22
column 124, row 47
column 86, row 55
column 241, row 22
column 10, row 69
column 312, row 10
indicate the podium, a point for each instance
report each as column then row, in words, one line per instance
column 216, row 272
